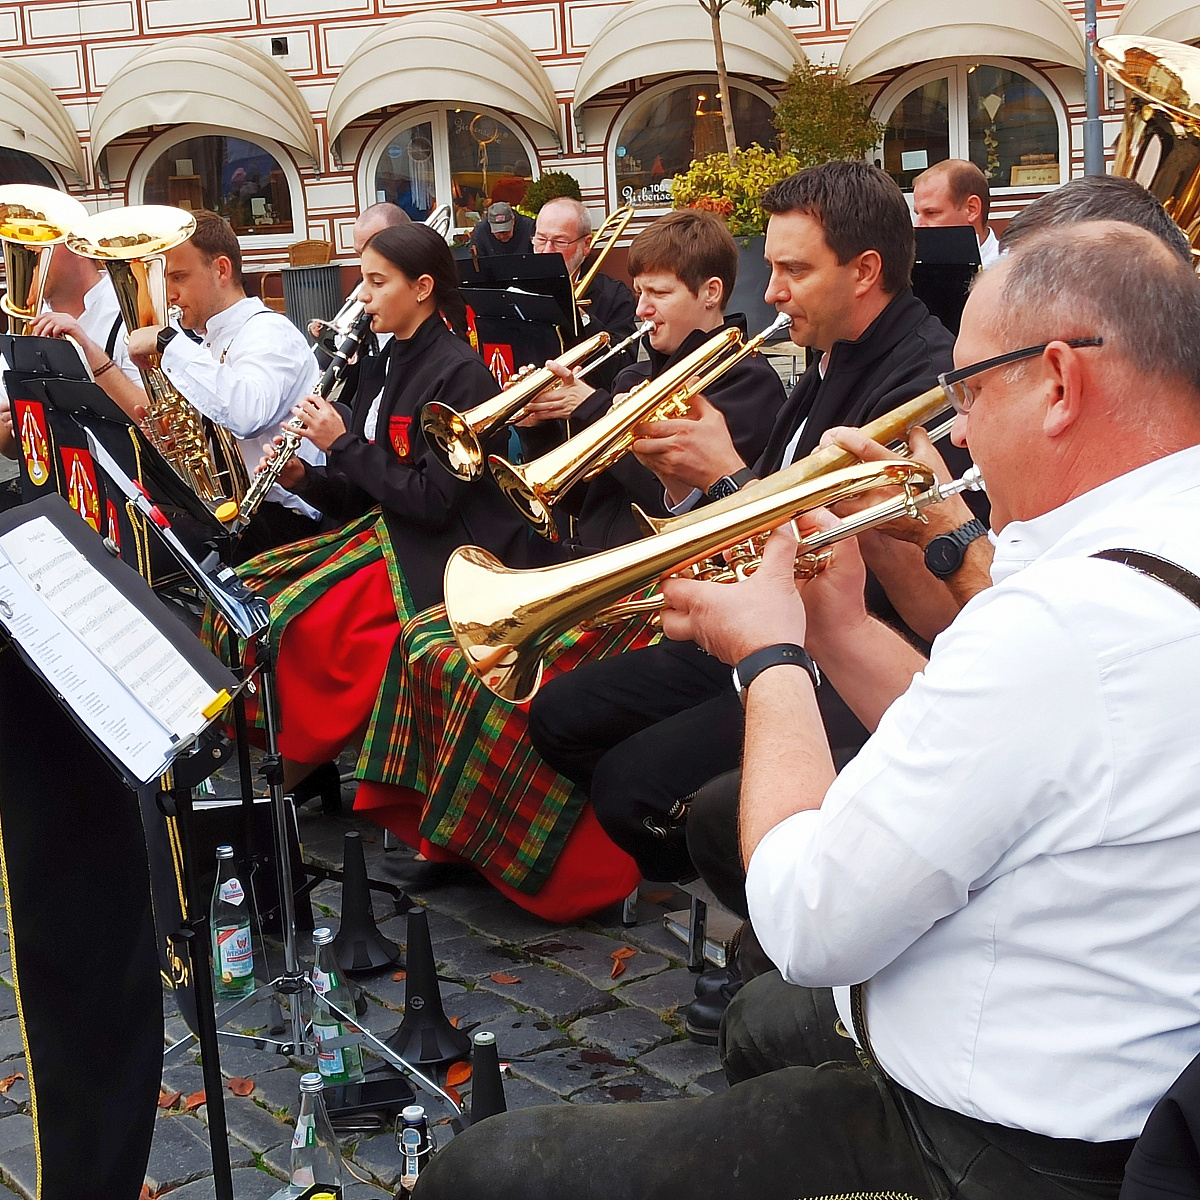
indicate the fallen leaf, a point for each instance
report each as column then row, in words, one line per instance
column 657, row 897
column 459, row 1072
column 453, row 1094
column 454, row 1021
column 624, row 952
column 169, row 1099
column 194, row 1100
column 241, row 1087
column 502, row 977
column 9, row 1080
column 618, row 968
column 399, row 975
column 145, row 1193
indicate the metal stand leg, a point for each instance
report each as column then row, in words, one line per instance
column 629, row 909
column 697, row 935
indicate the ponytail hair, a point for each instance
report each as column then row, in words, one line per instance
column 417, row 250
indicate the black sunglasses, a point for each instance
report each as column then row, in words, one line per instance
column 962, row 397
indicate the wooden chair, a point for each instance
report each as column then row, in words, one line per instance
column 312, row 252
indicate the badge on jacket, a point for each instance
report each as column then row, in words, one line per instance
column 398, row 428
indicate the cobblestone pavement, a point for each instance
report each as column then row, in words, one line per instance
column 570, row 1032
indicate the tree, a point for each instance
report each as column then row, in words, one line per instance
column 714, row 8
column 821, row 117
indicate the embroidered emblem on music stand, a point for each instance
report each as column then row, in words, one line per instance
column 398, row 428
column 35, row 440
column 82, row 491
column 114, row 528
column 499, row 358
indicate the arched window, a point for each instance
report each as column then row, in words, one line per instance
column 227, row 175
column 18, row 167
column 462, row 156
column 668, row 127
column 997, row 114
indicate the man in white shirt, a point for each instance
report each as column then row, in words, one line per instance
column 955, row 192
column 247, row 371
column 1008, row 862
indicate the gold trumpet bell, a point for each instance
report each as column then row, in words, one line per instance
column 1159, row 145
column 33, row 220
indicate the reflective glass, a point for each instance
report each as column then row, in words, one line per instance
column 19, row 167
column 226, row 175
column 405, row 174
column 1014, row 133
column 918, row 132
column 487, row 164
column 662, row 136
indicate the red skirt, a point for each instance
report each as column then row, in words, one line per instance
column 590, row 873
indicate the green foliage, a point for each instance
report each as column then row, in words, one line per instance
column 733, row 190
column 549, row 186
column 760, row 7
column 821, row 117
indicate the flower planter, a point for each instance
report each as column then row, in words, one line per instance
column 752, row 278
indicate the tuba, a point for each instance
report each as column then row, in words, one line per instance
column 132, row 243
column 1159, row 145
column 503, row 620
column 33, row 220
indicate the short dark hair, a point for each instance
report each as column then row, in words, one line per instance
column 417, row 250
column 1098, row 198
column 214, row 237
column 860, row 208
column 693, row 245
column 964, row 179
column 1108, row 279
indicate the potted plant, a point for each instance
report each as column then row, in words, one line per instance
column 733, row 191
column 820, row 117
column 550, row 185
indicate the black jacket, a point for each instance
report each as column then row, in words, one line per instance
column 610, row 307
column 429, row 512
column 521, row 242
column 749, row 396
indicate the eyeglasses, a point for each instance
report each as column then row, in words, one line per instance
column 959, row 392
column 541, row 241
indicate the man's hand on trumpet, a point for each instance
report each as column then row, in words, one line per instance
column 558, row 402
column 688, row 452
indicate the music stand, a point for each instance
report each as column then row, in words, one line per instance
column 947, row 260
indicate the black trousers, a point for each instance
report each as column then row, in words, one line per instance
column 638, row 732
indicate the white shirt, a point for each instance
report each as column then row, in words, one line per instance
column 251, row 369
column 1012, row 858
column 989, row 249
column 100, row 312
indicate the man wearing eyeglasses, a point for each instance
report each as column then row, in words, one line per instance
column 1000, row 888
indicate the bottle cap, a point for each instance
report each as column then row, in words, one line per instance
column 483, row 1038
column 311, row 1081
column 412, row 1114
column 224, row 851
column 322, row 936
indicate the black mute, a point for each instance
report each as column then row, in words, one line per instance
column 425, row 1037
column 487, row 1084
column 359, row 946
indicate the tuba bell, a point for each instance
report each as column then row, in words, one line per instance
column 132, row 244
column 33, row 220
column 1159, row 145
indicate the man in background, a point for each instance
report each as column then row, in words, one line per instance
column 503, row 231
column 956, row 192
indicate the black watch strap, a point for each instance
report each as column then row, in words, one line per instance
column 944, row 555
column 165, row 334
column 728, row 484
column 753, row 665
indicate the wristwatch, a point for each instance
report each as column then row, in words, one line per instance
column 753, row 665
column 945, row 554
column 165, row 334
column 728, row 484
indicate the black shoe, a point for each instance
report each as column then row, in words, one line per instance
column 708, row 982
column 326, row 782
column 421, row 875
column 702, row 1018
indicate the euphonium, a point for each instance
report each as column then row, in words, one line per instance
column 33, row 220
column 132, row 243
column 1159, row 146
column 290, row 433
column 503, row 620
column 456, row 439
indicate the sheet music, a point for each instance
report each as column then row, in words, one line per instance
column 113, row 667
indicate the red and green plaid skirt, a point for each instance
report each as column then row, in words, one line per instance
column 489, row 797
column 337, row 604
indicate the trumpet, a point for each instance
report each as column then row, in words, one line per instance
column 33, row 220
column 456, row 439
column 503, row 620
column 537, row 486
column 291, row 433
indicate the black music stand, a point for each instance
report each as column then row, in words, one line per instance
column 947, row 261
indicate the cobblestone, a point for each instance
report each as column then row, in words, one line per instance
column 590, row 956
column 623, row 1032
column 629, row 1089
column 558, row 996
column 680, row 1063
column 662, row 993
column 180, row 1153
column 571, row 1069
column 249, row 1183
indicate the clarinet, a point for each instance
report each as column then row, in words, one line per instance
column 330, row 382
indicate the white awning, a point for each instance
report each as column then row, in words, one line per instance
column 1174, row 20
column 668, row 37
column 447, row 56
column 211, row 80
column 34, row 120
column 899, row 33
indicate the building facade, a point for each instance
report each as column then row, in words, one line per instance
column 290, row 116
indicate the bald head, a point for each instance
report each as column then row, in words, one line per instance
column 374, row 218
column 952, row 192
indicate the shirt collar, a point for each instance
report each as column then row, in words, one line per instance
column 96, row 296
column 229, row 320
column 1074, row 526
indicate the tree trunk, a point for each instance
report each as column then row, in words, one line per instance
column 713, row 8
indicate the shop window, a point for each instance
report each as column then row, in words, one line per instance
column 456, row 155
column 997, row 117
column 227, row 175
column 18, row 167
column 669, row 129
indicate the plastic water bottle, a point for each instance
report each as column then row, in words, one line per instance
column 229, row 918
column 337, row 1064
column 315, row 1154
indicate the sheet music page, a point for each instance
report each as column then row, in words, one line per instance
column 166, row 686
